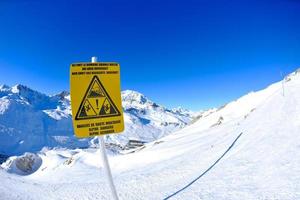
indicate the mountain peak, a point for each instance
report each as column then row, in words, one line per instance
column 19, row 88
column 134, row 96
column 37, row 99
column 63, row 95
column 4, row 87
column 180, row 109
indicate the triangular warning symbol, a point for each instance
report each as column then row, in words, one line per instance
column 96, row 103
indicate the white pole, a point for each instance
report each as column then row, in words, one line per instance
column 94, row 59
column 107, row 168
column 105, row 160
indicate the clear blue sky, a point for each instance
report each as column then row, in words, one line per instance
column 197, row 54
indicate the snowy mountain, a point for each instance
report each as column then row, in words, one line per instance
column 30, row 120
column 144, row 116
column 247, row 149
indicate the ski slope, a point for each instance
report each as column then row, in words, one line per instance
column 249, row 149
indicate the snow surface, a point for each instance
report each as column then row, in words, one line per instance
column 249, row 149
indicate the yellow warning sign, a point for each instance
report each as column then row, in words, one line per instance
column 96, row 99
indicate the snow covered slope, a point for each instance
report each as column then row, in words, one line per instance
column 252, row 152
column 30, row 120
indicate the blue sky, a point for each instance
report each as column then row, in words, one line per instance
column 197, row 54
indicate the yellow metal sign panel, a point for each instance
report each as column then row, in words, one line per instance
column 96, row 99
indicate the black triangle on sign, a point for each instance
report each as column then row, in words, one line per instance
column 107, row 109
column 86, row 109
column 82, row 113
column 95, row 91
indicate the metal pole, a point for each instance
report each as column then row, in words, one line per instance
column 94, row 59
column 107, row 168
column 105, row 160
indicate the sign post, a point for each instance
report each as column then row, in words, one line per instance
column 107, row 168
column 96, row 104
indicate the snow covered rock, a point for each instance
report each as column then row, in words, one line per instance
column 23, row 165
